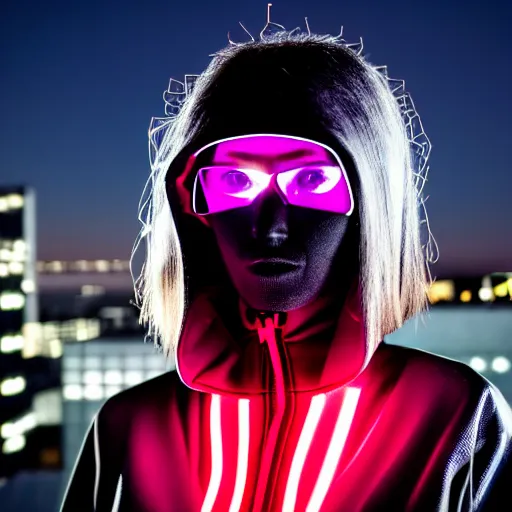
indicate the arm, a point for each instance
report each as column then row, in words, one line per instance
column 92, row 486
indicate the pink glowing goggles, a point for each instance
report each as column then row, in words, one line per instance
column 309, row 182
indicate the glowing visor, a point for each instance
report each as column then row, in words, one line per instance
column 303, row 172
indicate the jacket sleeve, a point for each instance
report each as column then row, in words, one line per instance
column 93, row 483
column 492, row 471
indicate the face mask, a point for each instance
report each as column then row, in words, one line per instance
column 279, row 208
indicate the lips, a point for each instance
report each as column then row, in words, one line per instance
column 270, row 267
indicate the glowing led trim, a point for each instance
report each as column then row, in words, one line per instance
column 306, row 436
column 216, row 444
column 243, row 454
column 336, row 445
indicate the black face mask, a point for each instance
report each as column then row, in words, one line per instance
column 281, row 257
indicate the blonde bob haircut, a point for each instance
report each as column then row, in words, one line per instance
column 326, row 87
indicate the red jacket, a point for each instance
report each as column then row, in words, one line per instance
column 296, row 414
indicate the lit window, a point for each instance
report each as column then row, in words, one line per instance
column 55, row 348
column 478, row 364
column 14, row 444
column 102, row 265
column 19, row 246
column 441, row 291
column 5, row 255
column 133, row 377
column 113, row 377
column 10, row 343
column 28, row 285
column 465, row 296
column 93, row 377
column 55, row 266
column 11, row 301
column 4, row 270
column 93, row 392
column 16, row 268
column 72, row 392
column 4, row 206
column 113, row 362
column 501, row 364
column 14, row 201
column 13, row 386
column 8, row 429
column 485, row 294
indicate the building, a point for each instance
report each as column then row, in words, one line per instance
column 29, row 380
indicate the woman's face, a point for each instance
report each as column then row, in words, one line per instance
column 278, row 255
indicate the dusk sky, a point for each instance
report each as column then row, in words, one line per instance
column 81, row 80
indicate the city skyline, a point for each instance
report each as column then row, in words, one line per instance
column 83, row 81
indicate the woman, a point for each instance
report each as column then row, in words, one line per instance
column 284, row 207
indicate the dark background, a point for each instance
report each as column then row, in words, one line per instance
column 81, row 80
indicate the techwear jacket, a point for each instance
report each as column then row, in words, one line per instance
column 287, row 414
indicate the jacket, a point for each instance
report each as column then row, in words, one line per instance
column 279, row 413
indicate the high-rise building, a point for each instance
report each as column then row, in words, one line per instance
column 29, row 397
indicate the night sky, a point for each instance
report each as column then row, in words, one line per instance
column 81, row 80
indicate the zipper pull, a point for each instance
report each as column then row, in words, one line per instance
column 269, row 322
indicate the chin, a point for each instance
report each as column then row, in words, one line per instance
column 274, row 296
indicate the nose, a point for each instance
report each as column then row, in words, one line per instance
column 270, row 224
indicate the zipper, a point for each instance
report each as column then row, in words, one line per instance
column 277, row 407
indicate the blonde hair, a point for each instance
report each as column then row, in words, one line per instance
column 369, row 124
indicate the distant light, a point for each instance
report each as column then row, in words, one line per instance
column 501, row 290
column 13, row 386
column 11, row 343
column 93, row 377
column 4, row 206
column 501, row 364
column 465, row 296
column 16, row 268
column 14, row 444
column 93, row 392
column 19, row 426
column 133, row 377
column 113, row 377
column 55, row 347
column 485, row 294
column 15, row 201
column 72, row 392
column 19, row 246
column 11, row 301
column 89, row 290
column 441, row 291
column 28, row 286
column 4, row 270
column 478, row 364
column 102, row 265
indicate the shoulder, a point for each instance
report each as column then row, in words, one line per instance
column 441, row 380
column 152, row 395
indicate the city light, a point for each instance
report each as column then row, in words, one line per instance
column 19, row 426
column 12, row 386
column 485, row 294
column 11, row 343
column 133, row 377
column 11, row 301
column 113, row 377
column 72, row 392
column 16, row 268
column 441, row 291
column 28, row 286
column 14, row 201
column 501, row 364
column 93, row 377
column 4, row 270
column 93, row 392
column 478, row 364
column 465, row 296
column 14, row 444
